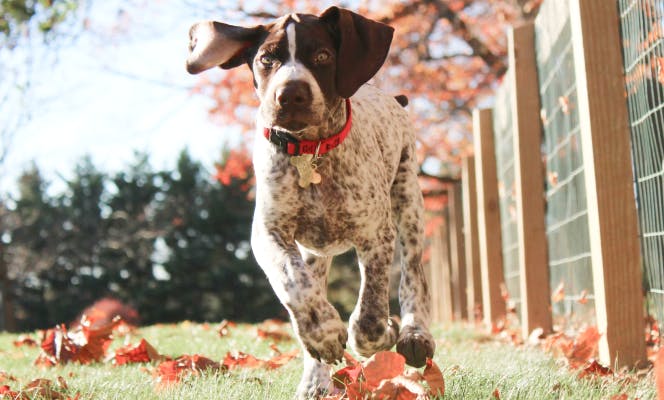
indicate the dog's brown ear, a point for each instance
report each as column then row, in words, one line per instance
column 362, row 47
column 213, row 43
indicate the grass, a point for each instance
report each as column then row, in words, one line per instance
column 474, row 366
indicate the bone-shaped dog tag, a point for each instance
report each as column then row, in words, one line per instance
column 307, row 169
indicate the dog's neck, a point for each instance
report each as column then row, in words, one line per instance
column 336, row 119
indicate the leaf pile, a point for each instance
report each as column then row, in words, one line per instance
column 383, row 376
column 83, row 344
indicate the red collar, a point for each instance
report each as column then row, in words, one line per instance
column 291, row 146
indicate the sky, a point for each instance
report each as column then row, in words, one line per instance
column 121, row 86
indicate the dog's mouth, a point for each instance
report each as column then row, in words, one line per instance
column 291, row 120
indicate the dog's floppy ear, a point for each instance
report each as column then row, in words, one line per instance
column 213, row 43
column 362, row 47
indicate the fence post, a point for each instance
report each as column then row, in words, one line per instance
column 457, row 253
column 529, row 181
column 488, row 217
column 612, row 220
column 473, row 271
column 441, row 289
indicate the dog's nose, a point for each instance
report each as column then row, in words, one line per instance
column 294, row 94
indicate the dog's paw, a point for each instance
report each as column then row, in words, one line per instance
column 329, row 349
column 367, row 338
column 415, row 344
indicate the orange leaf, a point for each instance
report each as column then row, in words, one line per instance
column 25, row 341
column 434, row 378
column 584, row 347
column 240, row 359
column 171, row 371
column 659, row 373
column 383, row 365
column 496, row 394
column 346, row 376
column 143, row 352
column 595, row 369
column 558, row 294
column 275, row 335
column 398, row 388
column 281, row 359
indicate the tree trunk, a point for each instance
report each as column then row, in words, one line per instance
column 7, row 298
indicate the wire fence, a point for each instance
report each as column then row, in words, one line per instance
column 504, row 143
column 642, row 27
column 570, row 265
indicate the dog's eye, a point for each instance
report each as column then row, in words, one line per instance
column 266, row 60
column 322, row 57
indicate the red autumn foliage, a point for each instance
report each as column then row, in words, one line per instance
column 83, row 344
column 276, row 335
column 239, row 359
column 236, row 165
column 383, row 376
column 143, row 352
column 39, row 388
column 172, row 371
column 25, row 341
column 103, row 311
column 593, row 369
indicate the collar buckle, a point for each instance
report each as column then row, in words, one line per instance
column 284, row 141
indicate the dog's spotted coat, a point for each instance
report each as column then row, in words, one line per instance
column 304, row 66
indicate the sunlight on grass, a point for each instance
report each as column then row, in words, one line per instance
column 474, row 365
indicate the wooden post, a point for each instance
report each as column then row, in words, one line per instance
column 488, row 217
column 529, row 181
column 612, row 219
column 473, row 271
column 441, row 280
column 457, row 253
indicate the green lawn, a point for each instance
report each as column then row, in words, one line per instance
column 474, row 366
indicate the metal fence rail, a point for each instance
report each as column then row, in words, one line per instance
column 642, row 27
column 566, row 214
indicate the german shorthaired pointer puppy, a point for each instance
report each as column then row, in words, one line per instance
column 335, row 168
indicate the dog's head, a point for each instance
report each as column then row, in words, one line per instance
column 303, row 65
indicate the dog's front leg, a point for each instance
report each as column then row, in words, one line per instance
column 370, row 328
column 315, row 321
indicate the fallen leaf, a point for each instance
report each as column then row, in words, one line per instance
column 281, row 359
column 171, row 371
column 142, row 352
column 382, row 365
column 434, row 378
column 240, row 359
column 347, row 375
column 558, row 294
column 496, row 394
column 398, row 388
column 584, row 347
column 276, row 335
column 25, row 341
column 621, row 396
column 594, row 368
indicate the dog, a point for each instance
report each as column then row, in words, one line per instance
column 336, row 168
